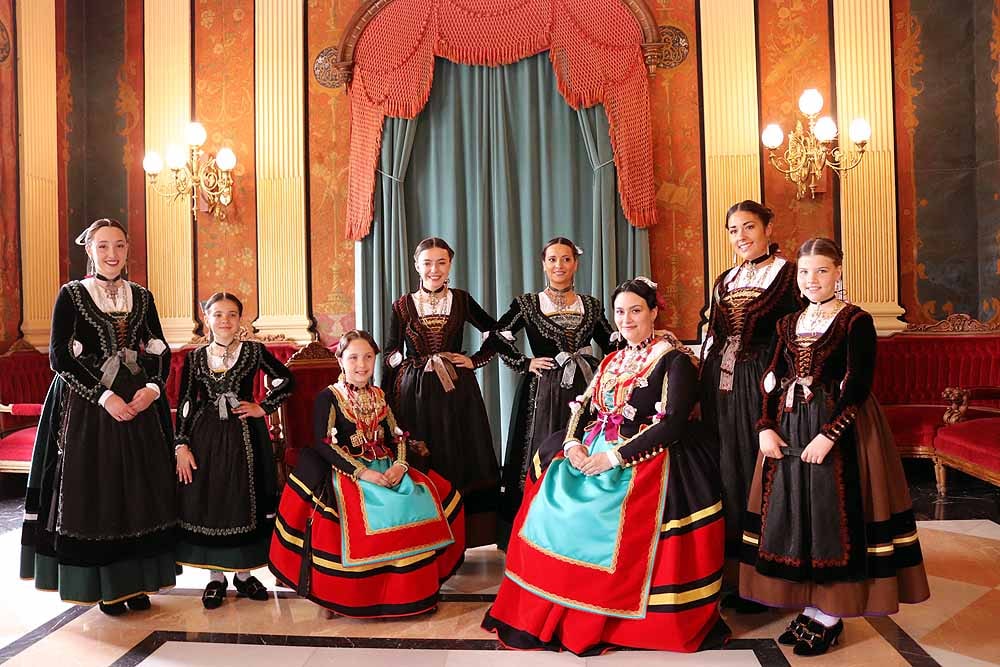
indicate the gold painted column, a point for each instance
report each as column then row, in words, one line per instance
column 169, row 243
column 282, row 263
column 38, row 160
column 863, row 56
column 732, row 145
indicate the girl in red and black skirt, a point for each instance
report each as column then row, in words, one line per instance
column 359, row 532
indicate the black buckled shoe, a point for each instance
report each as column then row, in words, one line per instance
column 816, row 638
column 139, row 602
column 214, row 594
column 251, row 588
column 792, row 634
column 114, row 609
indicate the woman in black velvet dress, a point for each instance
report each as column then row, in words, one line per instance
column 747, row 301
column 560, row 325
column 100, row 510
column 431, row 385
column 829, row 527
column 225, row 460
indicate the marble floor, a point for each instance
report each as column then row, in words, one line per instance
column 960, row 536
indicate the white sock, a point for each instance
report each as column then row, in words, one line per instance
column 826, row 619
column 243, row 576
column 810, row 612
column 217, row 576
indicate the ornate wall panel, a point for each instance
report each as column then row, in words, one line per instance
column 794, row 53
column 676, row 243
column 331, row 252
column 224, row 104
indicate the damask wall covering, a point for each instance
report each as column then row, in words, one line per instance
column 946, row 59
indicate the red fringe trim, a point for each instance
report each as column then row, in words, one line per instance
column 595, row 50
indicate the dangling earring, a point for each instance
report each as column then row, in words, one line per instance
column 91, row 269
column 736, row 259
column 839, row 291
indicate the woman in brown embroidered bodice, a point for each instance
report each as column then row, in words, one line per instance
column 829, row 527
column 747, row 301
column 431, row 385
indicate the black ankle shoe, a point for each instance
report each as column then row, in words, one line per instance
column 214, row 594
column 139, row 602
column 251, row 588
column 792, row 634
column 816, row 638
column 114, row 609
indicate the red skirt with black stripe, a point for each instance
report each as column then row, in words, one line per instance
column 306, row 551
column 681, row 610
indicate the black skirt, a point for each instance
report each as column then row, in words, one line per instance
column 733, row 415
column 232, row 495
column 456, row 429
column 541, row 408
column 114, row 496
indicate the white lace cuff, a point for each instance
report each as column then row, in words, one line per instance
column 104, row 397
column 395, row 359
column 155, row 346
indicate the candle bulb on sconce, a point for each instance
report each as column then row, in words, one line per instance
column 810, row 152
column 195, row 175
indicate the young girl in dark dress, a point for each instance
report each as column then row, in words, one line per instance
column 225, row 461
column 829, row 527
column 560, row 325
column 431, row 385
column 100, row 511
column 747, row 301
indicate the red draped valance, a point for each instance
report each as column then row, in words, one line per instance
column 595, row 47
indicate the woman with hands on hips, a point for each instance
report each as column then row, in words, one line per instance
column 225, row 461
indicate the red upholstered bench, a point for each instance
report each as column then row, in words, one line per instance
column 968, row 441
column 914, row 368
column 25, row 377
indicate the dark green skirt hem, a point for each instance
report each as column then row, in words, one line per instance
column 105, row 583
column 227, row 559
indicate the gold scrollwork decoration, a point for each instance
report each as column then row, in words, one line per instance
column 330, row 72
column 4, row 43
column 957, row 323
column 669, row 51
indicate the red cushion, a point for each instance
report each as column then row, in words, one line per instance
column 916, row 368
column 18, row 445
column 914, row 425
column 976, row 441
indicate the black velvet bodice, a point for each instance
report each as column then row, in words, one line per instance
column 76, row 318
column 545, row 337
column 842, row 361
column 201, row 387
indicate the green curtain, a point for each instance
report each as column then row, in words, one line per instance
column 498, row 164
